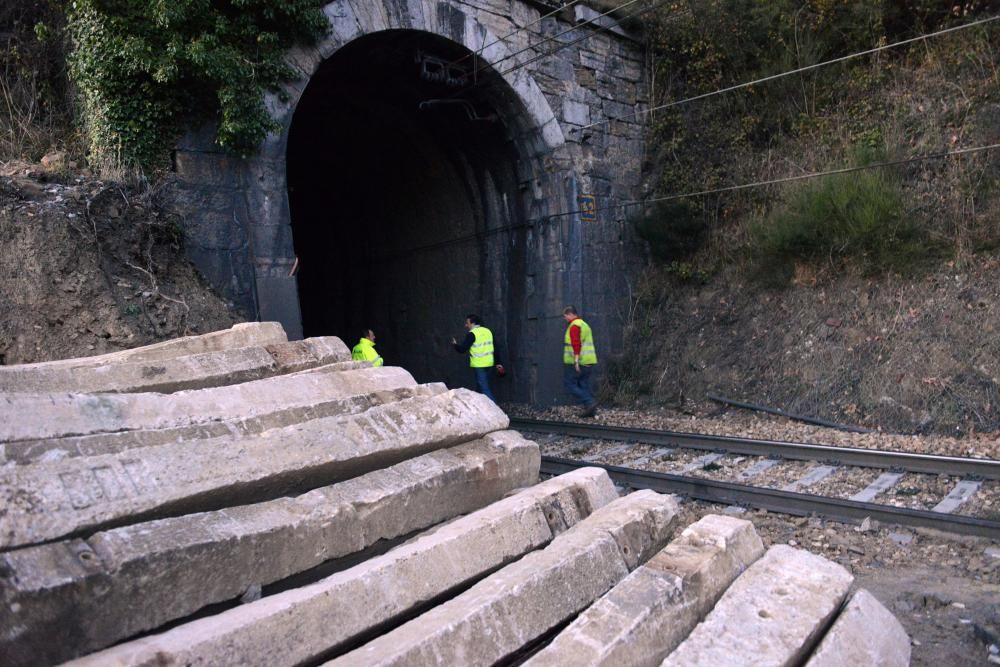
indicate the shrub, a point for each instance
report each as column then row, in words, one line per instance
column 146, row 68
column 34, row 109
column 846, row 218
column 674, row 230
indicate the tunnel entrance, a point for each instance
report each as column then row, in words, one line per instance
column 405, row 205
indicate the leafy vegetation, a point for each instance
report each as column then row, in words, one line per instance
column 34, row 98
column 146, row 69
column 809, row 122
column 674, row 230
column 855, row 216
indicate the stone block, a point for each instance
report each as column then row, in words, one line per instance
column 865, row 634
column 47, row 416
column 294, row 627
column 504, row 612
column 204, row 416
column 51, row 500
column 128, row 580
column 773, row 614
column 642, row 619
column 576, row 113
column 245, row 334
column 209, row 369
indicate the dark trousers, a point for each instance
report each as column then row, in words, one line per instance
column 578, row 384
column 483, row 382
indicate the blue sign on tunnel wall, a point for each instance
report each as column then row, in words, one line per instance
column 588, row 208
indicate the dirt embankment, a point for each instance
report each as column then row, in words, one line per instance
column 88, row 267
column 907, row 356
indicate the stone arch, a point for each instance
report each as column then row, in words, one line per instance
column 534, row 132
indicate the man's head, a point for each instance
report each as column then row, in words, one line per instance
column 569, row 313
column 369, row 334
column 472, row 320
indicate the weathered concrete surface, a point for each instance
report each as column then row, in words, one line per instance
column 773, row 614
column 246, row 334
column 501, row 614
column 299, row 625
column 39, row 416
column 651, row 611
column 127, row 580
column 209, row 369
column 865, row 634
column 47, row 501
column 91, row 424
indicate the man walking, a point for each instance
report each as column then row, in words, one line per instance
column 579, row 355
column 365, row 349
column 479, row 344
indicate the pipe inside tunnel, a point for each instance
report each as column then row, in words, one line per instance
column 401, row 215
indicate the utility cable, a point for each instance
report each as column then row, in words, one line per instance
column 504, row 38
column 556, row 36
column 787, row 179
column 564, row 45
column 794, row 71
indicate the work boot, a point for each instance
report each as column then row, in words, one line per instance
column 589, row 411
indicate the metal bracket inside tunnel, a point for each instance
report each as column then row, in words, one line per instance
column 440, row 70
column 470, row 110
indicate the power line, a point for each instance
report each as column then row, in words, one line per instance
column 504, row 38
column 532, row 222
column 800, row 177
column 548, row 53
column 794, row 71
column 560, row 34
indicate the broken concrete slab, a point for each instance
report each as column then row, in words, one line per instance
column 128, row 580
column 295, row 626
column 209, row 369
column 773, row 614
column 509, row 609
column 642, row 619
column 865, row 634
column 59, row 425
column 53, row 500
column 245, row 334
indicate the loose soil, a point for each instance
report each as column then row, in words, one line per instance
column 88, row 267
column 900, row 356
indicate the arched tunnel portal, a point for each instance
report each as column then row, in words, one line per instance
column 406, row 209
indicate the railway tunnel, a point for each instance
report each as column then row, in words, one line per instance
column 416, row 185
column 405, row 206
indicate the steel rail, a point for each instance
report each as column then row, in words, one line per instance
column 850, row 456
column 786, row 502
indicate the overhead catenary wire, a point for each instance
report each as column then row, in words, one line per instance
column 799, row 70
column 699, row 193
column 552, row 38
column 789, row 179
column 563, row 45
column 504, row 38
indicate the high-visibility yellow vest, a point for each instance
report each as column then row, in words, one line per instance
column 588, row 353
column 365, row 351
column 481, row 352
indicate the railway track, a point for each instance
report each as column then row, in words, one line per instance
column 766, row 455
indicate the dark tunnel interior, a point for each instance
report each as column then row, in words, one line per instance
column 397, row 210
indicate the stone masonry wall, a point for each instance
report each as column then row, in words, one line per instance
column 239, row 227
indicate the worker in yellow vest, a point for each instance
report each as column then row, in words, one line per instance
column 579, row 356
column 478, row 343
column 365, row 349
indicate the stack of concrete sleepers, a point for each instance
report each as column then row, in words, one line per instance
column 236, row 498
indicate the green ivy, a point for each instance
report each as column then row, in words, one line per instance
column 146, row 69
